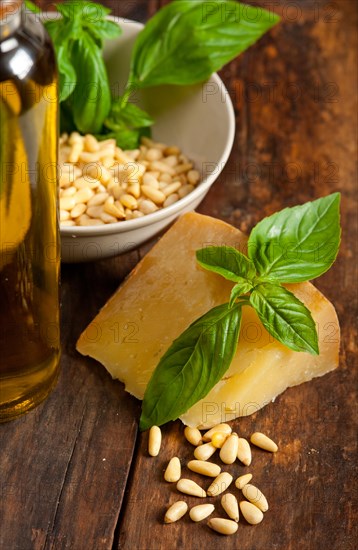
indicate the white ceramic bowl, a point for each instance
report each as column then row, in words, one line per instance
column 199, row 119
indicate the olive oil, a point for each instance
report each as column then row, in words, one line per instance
column 29, row 235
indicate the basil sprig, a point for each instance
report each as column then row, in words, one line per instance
column 182, row 44
column 294, row 245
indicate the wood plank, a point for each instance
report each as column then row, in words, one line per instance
column 295, row 142
column 65, row 464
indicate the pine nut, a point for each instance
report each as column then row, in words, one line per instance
column 98, row 199
column 228, row 452
column 165, row 178
column 91, row 221
column 154, row 440
column 154, row 195
column 189, row 487
column 69, row 192
column 90, row 143
column 243, row 480
column 244, row 451
column 172, row 150
column 261, row 440
column 185, row 167
column 222, row 428
column 251, row 513
column 171, row 160
column 220, row 484
column 171, row 200
column 64, row 215
column 129, row 201
column 137, row 214
column 94, row 211
column 173, row 470
column 107, row 218
column 154, row 154
column 204, row 468
column 87, row 157
column 75, row 152
column 147, row 206
column 255, row 496
column 171, row 188
column 192, row 435
column 134, row 189
column 218, row 439
column 203, row 452
column 78, row 210
column 176, row 511
column 67, row 203
column 223, row 526
column 231, row 506
column 83, row 195
column 86, row 182
column 162, row 167
column 185, row 190
column 193, row 177
column 115, row 210
column 68, row 223
column 201, row 511
column 150, row 180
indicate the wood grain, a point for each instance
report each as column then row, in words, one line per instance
column 295, row 100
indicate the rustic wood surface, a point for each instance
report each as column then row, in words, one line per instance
column 75, row 471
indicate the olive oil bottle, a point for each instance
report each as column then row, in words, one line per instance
column 29, row 235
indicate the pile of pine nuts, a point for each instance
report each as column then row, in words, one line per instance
column 232, row 447
column 101, row 184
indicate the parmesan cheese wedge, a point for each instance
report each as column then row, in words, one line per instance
column 167, row 291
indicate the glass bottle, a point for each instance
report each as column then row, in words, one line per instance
column 29, row 232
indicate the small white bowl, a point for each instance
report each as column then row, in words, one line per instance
column 199, row 119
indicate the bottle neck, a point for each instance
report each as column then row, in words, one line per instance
column 10, row 17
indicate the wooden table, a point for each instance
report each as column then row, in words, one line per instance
column 75, row 472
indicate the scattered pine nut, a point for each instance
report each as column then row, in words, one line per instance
column 203, row 452
column 231, row 506
column 228, row 452
column 255, row 496
column 154, row 440
column 201, row 511
column 173, row 470
column 223, row 526
column 204, row 468
column 261, row 440
column 222, row 428
column 192, row 435
column 243, row 480
column 176, row 511
column 251, row 513
column 220, row 484
column 244, row 451
column 189, row 487
column 218, row 439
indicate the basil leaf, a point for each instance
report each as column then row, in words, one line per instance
column 103, row 30
column 239, row 290
column 299, row 243
column 129, row 114
column 186, row 41
column 193, row 364
column 32, row 7
column 226, row 261
column 285, row 317
column 88, row 11
column 91, row 99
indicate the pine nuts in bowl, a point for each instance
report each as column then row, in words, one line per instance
column 112, row 201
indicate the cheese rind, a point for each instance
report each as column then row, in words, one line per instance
column 167, row 291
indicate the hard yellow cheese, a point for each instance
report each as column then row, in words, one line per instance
column 167, row 291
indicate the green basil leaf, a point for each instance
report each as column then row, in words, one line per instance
column 85, row 11
column 227, row 262
column 130, row 115
column 299, row 243
column 186, row 41
column 193, row 364
column 125, row 137
column 32, row 7
column 285, row 317
column 239, row 290
column 104, row 30
column 91, row 99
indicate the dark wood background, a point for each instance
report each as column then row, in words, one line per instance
column 75, row 472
